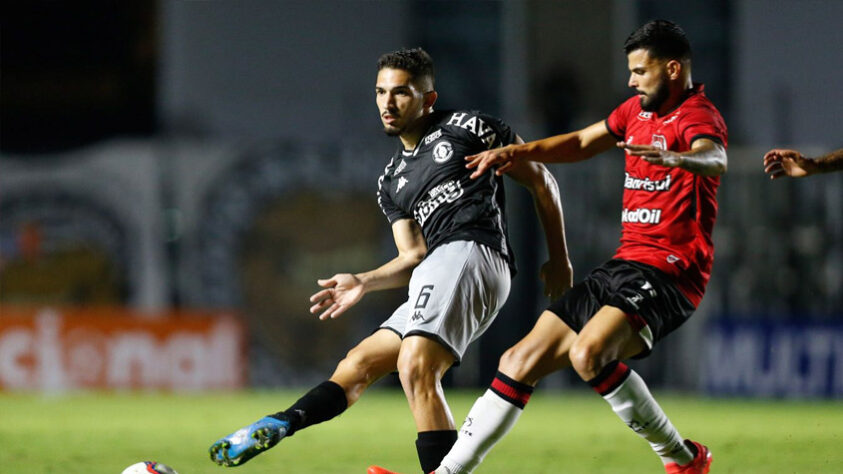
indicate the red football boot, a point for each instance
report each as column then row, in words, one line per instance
column 379, row 470
column 699, row 465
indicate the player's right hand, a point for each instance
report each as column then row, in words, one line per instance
column 558, row 277
column 341, row 292
column 504, row 158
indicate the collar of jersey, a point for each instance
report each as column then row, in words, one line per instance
column 432, row 117
column 697, row 88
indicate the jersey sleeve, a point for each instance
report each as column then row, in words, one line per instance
column 387, row 205
column 500, row 135
column 703, row 122
column 617, row 121
column 390, row 210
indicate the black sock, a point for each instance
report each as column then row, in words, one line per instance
column 321, row 403
column 432, row 447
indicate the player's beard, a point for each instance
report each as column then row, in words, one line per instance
column 392, row 131
column 652, row 102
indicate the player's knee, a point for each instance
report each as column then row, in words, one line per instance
column 418, row 374
column 411, row 369
column 360, row 366
column 586, row 358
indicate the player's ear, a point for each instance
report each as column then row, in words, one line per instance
column 430, row 98
column 674, row 69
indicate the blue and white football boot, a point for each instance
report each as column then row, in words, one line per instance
column 246, row 443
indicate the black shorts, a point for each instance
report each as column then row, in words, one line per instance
column 653, row 304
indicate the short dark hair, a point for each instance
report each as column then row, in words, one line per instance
column 416, row 61
column 663, row 39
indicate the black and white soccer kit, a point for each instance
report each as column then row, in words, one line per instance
column 458, row 289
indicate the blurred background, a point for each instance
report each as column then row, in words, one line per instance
column 175, row 176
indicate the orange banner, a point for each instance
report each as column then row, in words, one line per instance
column 58, row 349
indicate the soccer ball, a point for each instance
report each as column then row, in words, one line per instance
column 149, row 467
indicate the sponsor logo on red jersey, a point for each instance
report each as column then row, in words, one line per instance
column 646, row 184
column 641, row 216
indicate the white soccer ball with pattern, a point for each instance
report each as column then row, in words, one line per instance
column 149, row 467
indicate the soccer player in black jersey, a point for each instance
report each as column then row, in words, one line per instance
column 453, row 254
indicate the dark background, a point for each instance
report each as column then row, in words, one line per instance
column 161, row 154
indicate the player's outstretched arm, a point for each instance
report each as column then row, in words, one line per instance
column 557, row 273
column 706, row 157
column 779, row 163
column 565, row 148
column 344, row 290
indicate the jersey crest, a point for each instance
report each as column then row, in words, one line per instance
column 660, row 142
column 442, row 152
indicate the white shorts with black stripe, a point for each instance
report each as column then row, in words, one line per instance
column 454, row 295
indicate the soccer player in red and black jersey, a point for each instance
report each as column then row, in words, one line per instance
column 675, row 149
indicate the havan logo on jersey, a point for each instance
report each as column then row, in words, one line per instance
column 641, row 216
column 445, row 192
column 646, row 184
column 475, row 125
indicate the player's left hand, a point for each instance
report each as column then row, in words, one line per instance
column 558, row 277
column 652, row 154
column 779, row 163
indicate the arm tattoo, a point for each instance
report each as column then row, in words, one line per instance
column 708, row 161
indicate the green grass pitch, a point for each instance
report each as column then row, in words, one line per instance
column 560, row 432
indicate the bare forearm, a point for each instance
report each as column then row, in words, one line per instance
column 705, row 160
column 549, row 209
column 706, row 157
column 830, row 162
column 703, row 165
column 393, row 274
column 564, row 148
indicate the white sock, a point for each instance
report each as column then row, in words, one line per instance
column 635, row 405
column 488, row 421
